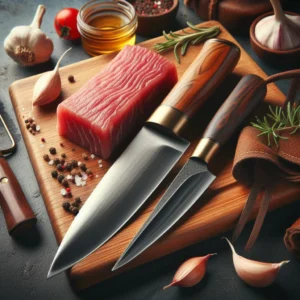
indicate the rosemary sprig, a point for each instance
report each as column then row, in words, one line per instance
column 175, row 40
column 278, row 120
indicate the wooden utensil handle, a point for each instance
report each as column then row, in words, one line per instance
column 17, row 212
column 250, row 91
column 214, row 62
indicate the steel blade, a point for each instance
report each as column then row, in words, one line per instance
column 120, row 193
column 191, row 182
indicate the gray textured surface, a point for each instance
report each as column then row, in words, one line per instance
column 24, row 263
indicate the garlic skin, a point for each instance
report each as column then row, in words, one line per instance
column 190, row 272
column 48, row 86
column 279, row 31
column 29, row 45
column 255, row 273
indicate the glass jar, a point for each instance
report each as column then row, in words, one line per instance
column 106, row 26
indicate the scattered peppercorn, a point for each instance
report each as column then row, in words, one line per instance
column 30, row 130
column 74, row 163
column 52, row 150
column 33, row 126
column 26, row 121
column 74, row 210
column 66, row 205
column 33, row 132
column 59, row 167
column 63, row 155
column 75, row 204
column 78, row 200
column 56, row 161
column 69, row 167
column 30, row 120
column 61, row 144
column 85, row 156
column 83, row 167
column 60, row 178
column 89, row 171
column 43, row 140
column 62, row 161
column 54, row 174
column 71, row 78
column 46, row 157
column 65, row 183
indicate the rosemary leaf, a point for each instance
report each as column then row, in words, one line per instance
column 176, row 40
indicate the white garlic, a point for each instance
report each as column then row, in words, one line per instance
column 48, row 86
column 190, row 272
column 255, row 273
column 278, row 31
column 29, row 45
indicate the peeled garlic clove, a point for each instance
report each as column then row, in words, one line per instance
column 190, row 272
column 279, row 31
column 29, row 45
column 255, row 273
column 48, row 86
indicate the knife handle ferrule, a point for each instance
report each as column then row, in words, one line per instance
column 206, row 149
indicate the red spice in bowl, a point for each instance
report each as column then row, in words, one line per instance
column 151, row 7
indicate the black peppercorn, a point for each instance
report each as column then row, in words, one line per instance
column 59, row 167
column 30, row 120
column 62, row 161
column 78, row 200
column 75, row 204
column 27, row 125
column 85, row 156
column 56, row 161
column 63, row 155
column 54, row 174
column 46, row 157
column 65, row 182
column 89, row 171
column 52, row 150
column 60, row 178
column 74, row 163
column 69, row 167
column 74, row 210
column 83, row 167
column 66, row 205
column 71, row 78
column 33, row 126
column 26, row 121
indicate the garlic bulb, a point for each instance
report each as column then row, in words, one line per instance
column 48, row 86
column 190, row 272
column 29, row 45
column 279, row 31
column 255, row 273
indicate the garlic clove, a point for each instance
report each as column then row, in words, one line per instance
column 190, row 272
column 29, row 45
column 255, row 273
column 279, row 31
column 48, row 86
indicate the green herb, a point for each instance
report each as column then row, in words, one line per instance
column 175, row 40
column 279, row 120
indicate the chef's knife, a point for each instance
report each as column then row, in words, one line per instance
column 148, row 159
column 194, row 178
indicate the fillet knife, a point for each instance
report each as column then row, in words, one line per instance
column 195, row 177
column 148, row 159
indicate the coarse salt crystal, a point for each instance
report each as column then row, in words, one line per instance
column 97, row 176
column 101, row 166
column 92, row 156
column 69, row 177
column 42, row 145
column 79, row 163
column 99, row 161
column 83, row 176
column 51, row 162
column 79, row 181
column 38, row 128
column 63, row 192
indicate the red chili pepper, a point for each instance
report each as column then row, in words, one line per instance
column 68, row 190
column 43, row 140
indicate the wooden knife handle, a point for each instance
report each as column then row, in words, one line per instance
column 17, row 212
column 215, row 61
column 249, row 92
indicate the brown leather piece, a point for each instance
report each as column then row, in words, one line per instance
column 292, row 238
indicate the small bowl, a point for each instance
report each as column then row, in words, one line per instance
column 154, row 25
column 283, row 58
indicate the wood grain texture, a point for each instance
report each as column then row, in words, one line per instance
column 212, row 65
column 250, row 91
column 217, row 211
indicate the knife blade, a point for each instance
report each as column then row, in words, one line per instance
column 194, row 178
column 147, row 160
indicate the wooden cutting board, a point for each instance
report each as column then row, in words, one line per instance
column 218, row 209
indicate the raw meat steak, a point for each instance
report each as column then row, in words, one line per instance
column 117, row 101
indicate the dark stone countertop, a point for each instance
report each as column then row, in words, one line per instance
column 24, row 263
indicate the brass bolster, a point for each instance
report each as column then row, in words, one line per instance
column 206, row 149
column 170, row 118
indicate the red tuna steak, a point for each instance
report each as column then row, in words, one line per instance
column 117, row 101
